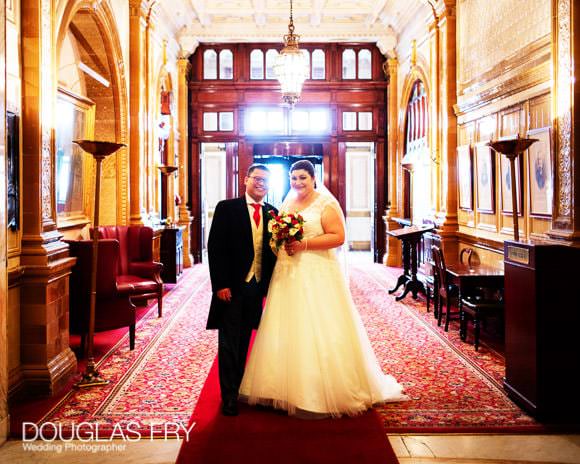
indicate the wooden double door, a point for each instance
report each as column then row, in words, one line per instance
column 328, row 156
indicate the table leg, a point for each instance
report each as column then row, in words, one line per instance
column 403, row 278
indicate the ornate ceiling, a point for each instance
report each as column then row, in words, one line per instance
column 379, row 21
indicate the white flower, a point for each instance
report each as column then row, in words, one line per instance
column 287, row 219
column 294, row 231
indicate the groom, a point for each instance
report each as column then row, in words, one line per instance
column 240, row 266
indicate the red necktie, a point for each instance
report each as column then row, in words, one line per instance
column 256, row 214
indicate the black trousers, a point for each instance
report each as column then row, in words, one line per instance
column 234, row 338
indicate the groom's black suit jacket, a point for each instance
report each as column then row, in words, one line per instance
column 231, row 252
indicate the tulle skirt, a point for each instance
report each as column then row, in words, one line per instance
column 311, row 354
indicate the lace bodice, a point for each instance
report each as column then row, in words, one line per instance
column 312, row 215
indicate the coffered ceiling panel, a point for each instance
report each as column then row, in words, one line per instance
column 379, row 21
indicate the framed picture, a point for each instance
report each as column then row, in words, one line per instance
column 73, row 168
column 465, row 177
column 506, row 185
column 485, row 178
column 12, row 171
column 540, row 169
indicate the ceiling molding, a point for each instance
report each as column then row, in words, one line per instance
column 267, row 20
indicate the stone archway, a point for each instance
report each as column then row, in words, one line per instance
column 90, row 32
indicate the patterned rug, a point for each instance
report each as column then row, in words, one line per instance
column 452, row 387
column 153, row 389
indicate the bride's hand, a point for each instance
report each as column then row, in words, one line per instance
column 294, row 247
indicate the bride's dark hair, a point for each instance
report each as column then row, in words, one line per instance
column 303, row 164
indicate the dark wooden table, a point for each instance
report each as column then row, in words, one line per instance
column 467, row 277
column 410, row 238
column 171, row 253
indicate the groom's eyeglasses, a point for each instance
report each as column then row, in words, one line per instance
column 259, row 180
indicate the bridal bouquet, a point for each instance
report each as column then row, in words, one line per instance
column 285, row 228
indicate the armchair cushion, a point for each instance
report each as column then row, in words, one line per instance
column 145, row 268
column 135, row 285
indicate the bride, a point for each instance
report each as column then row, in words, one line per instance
column 312, row 355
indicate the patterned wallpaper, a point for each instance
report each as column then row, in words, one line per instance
column 489, row 31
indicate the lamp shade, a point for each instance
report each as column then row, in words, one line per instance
column 291, row 71
column 291, row 67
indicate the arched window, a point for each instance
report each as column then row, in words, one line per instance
column 306, row 55
column 257, row 64
column 226, row 64
column 364, row 64
column 348, row 64
column 318, row 64
column 271, row 56
column 210, row 64
column 417, row 160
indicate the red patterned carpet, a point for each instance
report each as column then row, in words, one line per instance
column 452, row 388
column 157, row 383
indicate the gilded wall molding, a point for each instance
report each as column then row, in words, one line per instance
column 528, row 69
column 45, row 107
column 563, row 99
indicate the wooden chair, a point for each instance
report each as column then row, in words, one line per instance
column 430, row 282
column 478, row 308
column 429, row 278
column 465, row 255
column 137, row 274
column 113, row 309
column 445, row 290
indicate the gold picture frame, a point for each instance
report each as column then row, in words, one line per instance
column 465, row 177
column 76, row 119
column 540, row 167
column 485, row 169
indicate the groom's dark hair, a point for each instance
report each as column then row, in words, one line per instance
column 255, row 166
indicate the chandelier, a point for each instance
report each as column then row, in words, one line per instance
column 291, row 68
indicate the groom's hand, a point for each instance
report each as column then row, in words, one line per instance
column 225, row 294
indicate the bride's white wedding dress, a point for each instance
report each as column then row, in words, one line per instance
column 311, row 353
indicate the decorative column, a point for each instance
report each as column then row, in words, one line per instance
column 47, row 360
column 566, row 111
column 184, row 216
column 137, row 93
column 393, row 255
column 446, row 135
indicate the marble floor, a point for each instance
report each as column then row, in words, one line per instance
column 410, row 449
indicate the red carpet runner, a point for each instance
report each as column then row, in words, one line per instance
column 264, row 436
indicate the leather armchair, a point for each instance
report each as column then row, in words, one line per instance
column 113, row 309
column 137, row 274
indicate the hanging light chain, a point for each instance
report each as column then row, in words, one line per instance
column 291, row 24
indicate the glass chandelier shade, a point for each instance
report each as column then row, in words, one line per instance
column 291, row 67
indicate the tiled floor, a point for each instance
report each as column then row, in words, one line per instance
column 480, row 449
